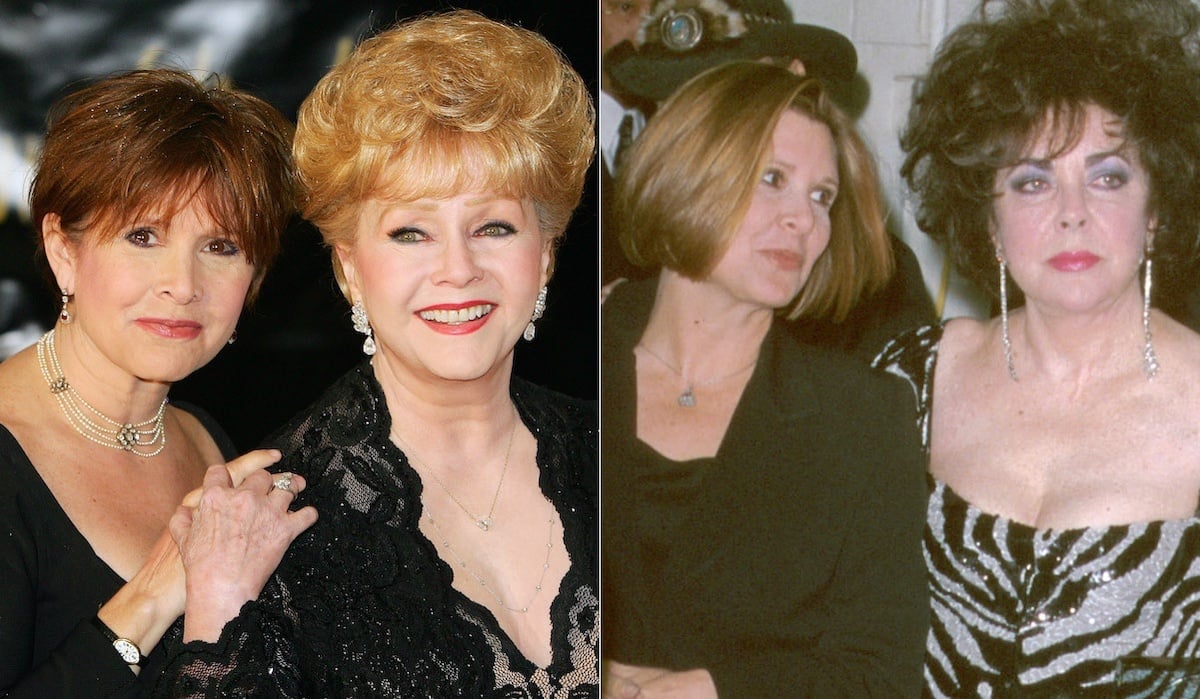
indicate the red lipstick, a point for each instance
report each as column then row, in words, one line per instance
column 170, row 329
column 1074, row 261
column 456, row 318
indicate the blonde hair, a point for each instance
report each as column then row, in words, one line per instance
column 691, row 174
column 445, row 103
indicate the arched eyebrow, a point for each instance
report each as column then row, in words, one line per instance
column 1089, row 161
column 1097, row 158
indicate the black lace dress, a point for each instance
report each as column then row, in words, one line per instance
column 362, row 606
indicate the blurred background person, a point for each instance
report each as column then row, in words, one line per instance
column 159, row 204
column 622, row 117
column 1054, row 147
column 762, row 499
column 456, row 550
column 679, row 39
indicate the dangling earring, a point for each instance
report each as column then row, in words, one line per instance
column 64, row 315
column 1004, row 337
column 539, row 307
column 1149, row 358
column 232, row 338
column 358, row 316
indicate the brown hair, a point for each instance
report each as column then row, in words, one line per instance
column 1022, row 67
column 690, row 176
column 446, row 102
column 147, row 141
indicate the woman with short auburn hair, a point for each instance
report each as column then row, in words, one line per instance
column 158, row 202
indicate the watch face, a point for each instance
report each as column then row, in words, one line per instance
column 128, row 651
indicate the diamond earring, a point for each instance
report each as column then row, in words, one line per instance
column 1149, row 358
column 1004, row 337
column 539, row 307
column 358, row 316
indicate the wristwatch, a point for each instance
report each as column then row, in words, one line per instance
column 125, row 648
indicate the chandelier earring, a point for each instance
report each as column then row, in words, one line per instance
column 1149, row 358
column 64, row 315
column 358, row 316
column 539, row 307
column 1005, row 338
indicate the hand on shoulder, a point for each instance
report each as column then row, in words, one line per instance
column 234, row 536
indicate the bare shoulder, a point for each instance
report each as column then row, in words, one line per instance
column 965, row 342
column 1178, row 350
column 196, row 435
column 964, row 334
column 19, row 382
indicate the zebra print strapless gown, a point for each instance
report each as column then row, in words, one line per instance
column 1019, row 611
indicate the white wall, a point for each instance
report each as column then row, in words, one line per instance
column 895, row 41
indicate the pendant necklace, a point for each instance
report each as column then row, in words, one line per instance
column 687, row 399
column 485, row 522
column 480, row 579
column 146, row 438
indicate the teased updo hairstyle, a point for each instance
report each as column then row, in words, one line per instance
column 1024, row 67
column 689, row 178
column 145, row 142
column 439, row 105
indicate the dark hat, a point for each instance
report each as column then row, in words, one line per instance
column 680, row 39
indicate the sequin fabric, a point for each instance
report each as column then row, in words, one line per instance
column 1019, row 611
column 362, row 606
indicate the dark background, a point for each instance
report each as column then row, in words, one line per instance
column 297, row 338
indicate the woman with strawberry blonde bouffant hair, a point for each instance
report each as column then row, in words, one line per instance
column 455, row 554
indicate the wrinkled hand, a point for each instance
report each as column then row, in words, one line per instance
column 143, row 609
column 233, row 539
column 632, row 681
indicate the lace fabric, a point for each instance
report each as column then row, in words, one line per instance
column 363, row 606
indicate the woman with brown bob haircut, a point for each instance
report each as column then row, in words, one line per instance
column 456, row 551
column 762, row 499
column 158, row 203
column 1055, row 148
column 679, row 204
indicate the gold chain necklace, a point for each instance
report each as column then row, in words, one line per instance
column 687, row 399
column 135, row 438
column 484, row 523
column 480, row 579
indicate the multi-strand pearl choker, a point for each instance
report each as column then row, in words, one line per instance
column 147, row 438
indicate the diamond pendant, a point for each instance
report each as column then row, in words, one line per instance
column 687, row 399
column 484, row 523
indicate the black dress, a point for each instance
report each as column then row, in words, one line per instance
column 789, row 565
column 362, row 606
column 51, row 584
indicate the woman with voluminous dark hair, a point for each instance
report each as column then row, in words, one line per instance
column 1054, row 148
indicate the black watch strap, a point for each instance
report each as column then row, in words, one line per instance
column 125, row 648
